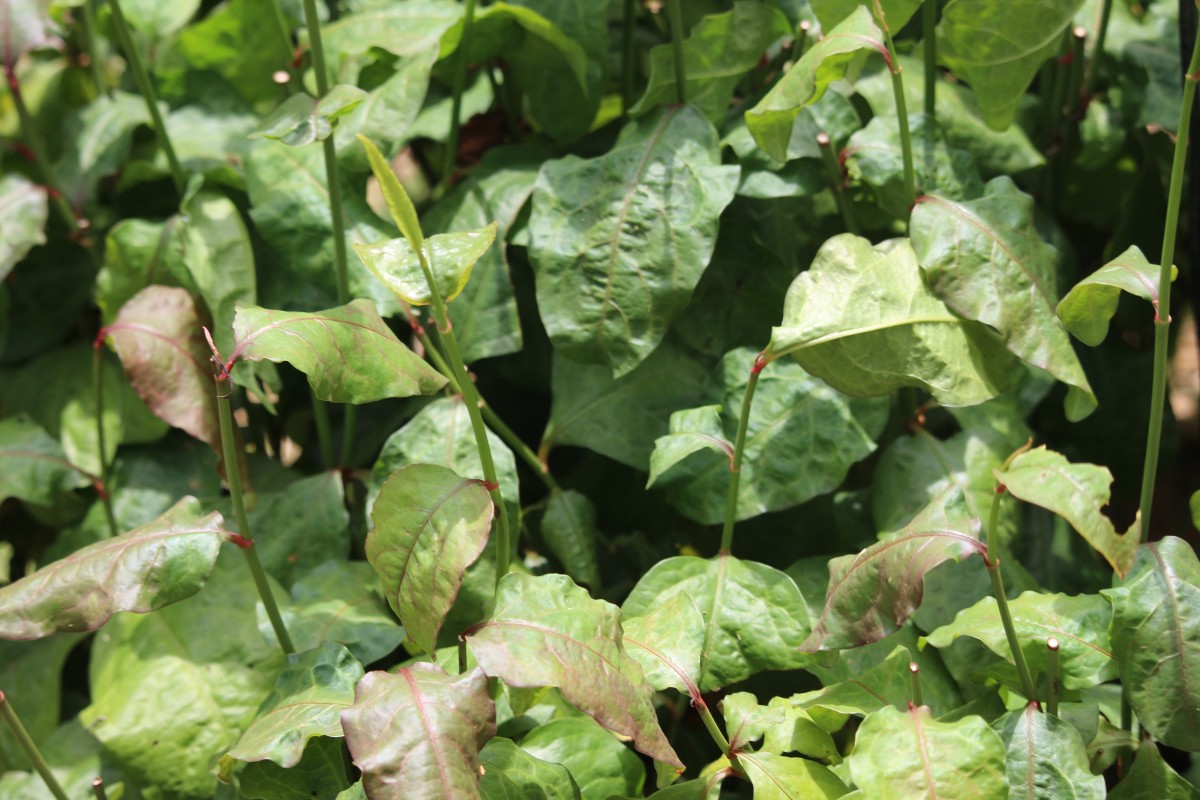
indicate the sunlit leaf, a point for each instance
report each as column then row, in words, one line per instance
column 1046, row 758
column 23, row 212
column 787, row 778
column 782, row 726
column 1092, row 302
column 666, row 641
column 303, row 119
column 450, row 257
column 531, row 776
column 599, row 763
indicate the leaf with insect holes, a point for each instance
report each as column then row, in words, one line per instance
column 789, row 778
column 770, row 121
column 348, row 353
column 450, row 257
column 546, row 631
column 303, row 119
column 430, row 525
column 23, row 211
column 1092, row 302
column 416, row 734
column 1046, row 757
column 33, row 467
column 158, row 564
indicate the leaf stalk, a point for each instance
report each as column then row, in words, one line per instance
column 739, row 447
column 914, row 674
column 834, row 172
column 910, row 180
column 1093, row 64
column 1052, row 676
column 450, row 161
column 675, row 16
column 31, row 749
column 714, row 730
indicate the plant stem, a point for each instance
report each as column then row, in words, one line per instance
column 993, row 568
column 1078, row 43
column 1057, row 94
column 1162, row 309
column 929, row 25
column 714, row 730
column 98, row 788
column 801, row 42
column 233, row 476
column 739, row 446
column 628, row 54
column 148, row 94
column 460, row 81
column 92, row 42
column 910, row 181
column 1093, row 65
column 675, row 15
column 462, row 655
column 324, row 434
column 914, row 672
column 1052, row 676
column 31, row 749
column 834, row 171
column 98, row 388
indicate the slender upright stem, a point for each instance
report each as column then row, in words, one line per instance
column 928, row 27
column 628, row 54
column 1057, row 94
column 1093, row 64
column 1052, row 676
column 914, row 674
column 1162, row 310
column 993, row 568
column 98, row 788
column 460, row 82
column 148, row 94
column 246, row 544
column 834, row 172
column 714, row 730
column 1078, row 43
column 98, row 389
column 739, row 446
column 910, row 181
column 92, row 42
column 324, row 434
column 462, row 655
column 31, row 749
column 675, row 14
column 801, row 43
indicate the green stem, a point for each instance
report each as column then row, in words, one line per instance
column 801, row 42
column 462, row 655
column 324, row 434
column 993, row 568
column 1093, row 65
column 98, row 788
column 714, row 730
column 675, row 15
column 1052, row 676
column 233, row 476
column 914, row 674
column 148, row 94
column 834, row 171
column 1057, row 96
column 739, row 446
column 460, row 82
column 910, row 180
column 1162, row 309
column 31, row 749
column 98, row 388
column 92, row 42
column 1075, row 73
column 929, row 34
column 628, row 55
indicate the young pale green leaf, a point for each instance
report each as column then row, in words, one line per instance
column 531, row 776
column 1077, row 493
column 754, row 617
column 1079, row 623
column 546, row 631
column 692, row 430
column 619, row 242
column 430, row 525
column 450, row 257
column 718, row 52
column 910, row 754
column 666, row 641
column 1046, row 758
column 986, row 260
column 600, row 764
column 348, row 353
column 569, row 530
column 896, row 13
column 863, row 320
column 320, row 773
column 998, row 52
column 416, row 734
column 1151, row 778
column 158, row 564
column 1092, row 302
column 782, row 726
column 1155, row 628
column 825, row 62
column 23, row 221
column 309, row 696
column 871, row 593
column 303, row 119
column 787, row 778
column 398, row 202
column 888, row 683
column 33, row 467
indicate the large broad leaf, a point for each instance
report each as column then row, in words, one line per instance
column 546, row 631
column 754, row 617
column 1092, row 302
column 430, row 525
column 309, row 696
column 1077, row 493
column 417, row 734
column 569, row 530
column 895, row 12
column 159, row 19
column 619, row 242
column 998, row 52
column 782, row 726
column 597, row 760
column 825, row 62
column 1155, row 636
column 139, row 253
column 1152, row 778
column 986, row 260
column 888, row 683
column 31, row 673
column 1080, row 624
column 1046, row 758
column 386, row 113
column 863, row 320
column 910, row 754
column 666, row 641
column 97, row 141
column 871, row 593
column 406, row 30
column 23, row 212
column 303, row 119
column 787, row 778
column 153, row 566
column 348, row 353
column 530, row 776
column 717, row 53
column 321, row 773
column 33, row 467
column 450, row 256
column 801, row 439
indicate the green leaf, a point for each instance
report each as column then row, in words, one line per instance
column 986, row 260
column 33, row 467
column 863, row 320
column 692, row 431
column 896, row 13
column 599, row 763
column 910, row 754
column 406, row 30
column 303, row 119
column 320, row 774
column 998, row 52
column 531, row 777
column 569, row 530
column 450, row 257
column 26, row 26
column 159, row 19
column 386, row 113
column 545, row 631
column 801, row 440
column 348, row 353
column 871, row 593
column 754, row 616
column 1151, row 778
column 782, row 727
column 1077, row 493
column 1046, row 758
column 30, row 673
column 1092, row 302
column 23, row 211
column 666, row 641
column 717, row 53
column 138, row 254
column 97, row 138
column 888, row 683
column 158, row 564
column 1155, row 627
column 770, row 121
column 1079, row 623
column 430, row 525
column 309, row 696
column 619, row 242
column 786, row 778
column 74, row 757
column 398, row 202
column 417, row 734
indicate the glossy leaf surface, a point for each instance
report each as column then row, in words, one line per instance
column 787, row 778
column 450, row 256
column 600, row 763
column 527, row 775
column 666, row 641
column 1046, row 758
column 1092, row 302
column 782, row 726
column 33, row 467
column 303, row 119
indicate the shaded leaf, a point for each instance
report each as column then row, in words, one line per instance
column 320, row 775
column 786, row 778
column 23, row 211
column 159, row 19
column 25, row 26
column 1092, row 302
column 33, row 467
column 31, row 673
column 97, row 140
column 597, row 761
column 530, row 776
column 1151, row 778
column 895, row 12
column 289, row 543
column 569, row 530
column 417, row 734
column 545, row 631
column 1046, row 758
column 666, row 641
column 450, row 257
column 303, row 119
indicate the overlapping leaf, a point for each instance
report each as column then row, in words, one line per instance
column 24, row 26
column 450, row 256
column 1092, row 302
column 33, row 467
column 408, row 29
column 786, row 778
column 783, row 727
column 569, row 530
column 1152, row 778
column 600, row 763
column 321, row 772
column 895, row 12
column 23, row 212
column 137, row 254
column 386, row 113
column 1046, row 757
column 530, row 776
column 303, row 119
column 666, row 641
